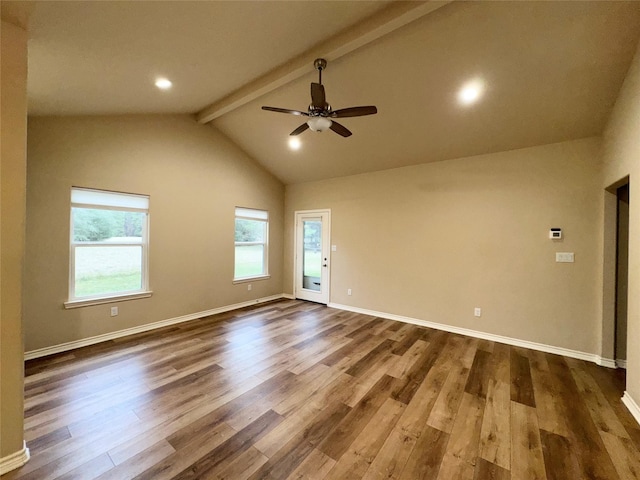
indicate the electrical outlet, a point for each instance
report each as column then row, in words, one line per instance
column 477, row 312
column 114, row 311
column 249, row 287
column 348, row 291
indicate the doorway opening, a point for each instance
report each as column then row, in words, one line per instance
column 615, row 275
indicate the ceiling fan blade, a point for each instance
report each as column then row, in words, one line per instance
column 285, row 110
column 340, row 129
column 300, row 129
column 318, row 99
column 354, row 112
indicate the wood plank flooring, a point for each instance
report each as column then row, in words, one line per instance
column 296, row 390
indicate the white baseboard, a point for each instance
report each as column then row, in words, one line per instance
column 15, row 460
column 483, row 335
column 606, row 362
column 620, row 363
column 631, row 405
column 63, row 347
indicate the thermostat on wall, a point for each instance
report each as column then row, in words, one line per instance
column 555, row 233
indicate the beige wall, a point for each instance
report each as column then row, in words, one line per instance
column 436, row 240
column 622, row 158
column 12, row 211
column 194, row 176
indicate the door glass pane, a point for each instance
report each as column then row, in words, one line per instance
column 312, row 253
column 105, row 270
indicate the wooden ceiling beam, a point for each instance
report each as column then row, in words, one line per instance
column 396, row 15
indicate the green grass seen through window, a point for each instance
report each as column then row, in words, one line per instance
column 115, row 283
column 248, row 261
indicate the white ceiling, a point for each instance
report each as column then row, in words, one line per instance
column 101, row 57
column 552, row 72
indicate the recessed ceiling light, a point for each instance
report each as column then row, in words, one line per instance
column 470, row 92
column 163, row 83
column 294, row 143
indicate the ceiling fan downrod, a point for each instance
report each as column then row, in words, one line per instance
column 320, row 64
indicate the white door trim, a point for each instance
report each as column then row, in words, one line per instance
column 320, row 211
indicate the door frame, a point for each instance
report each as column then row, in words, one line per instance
column 319, row 211
column 607, row 355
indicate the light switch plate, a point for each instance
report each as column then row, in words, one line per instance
column 564, row 257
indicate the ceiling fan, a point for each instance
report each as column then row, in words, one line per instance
column 320, row 113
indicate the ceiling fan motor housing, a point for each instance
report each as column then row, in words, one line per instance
column 320, row 63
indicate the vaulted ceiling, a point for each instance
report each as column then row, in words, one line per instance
column 551, row 72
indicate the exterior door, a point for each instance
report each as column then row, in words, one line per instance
column 312, row 265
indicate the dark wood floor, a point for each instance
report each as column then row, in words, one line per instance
column 292, row 390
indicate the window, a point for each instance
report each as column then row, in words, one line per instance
column 252, row 239
column 109, row 246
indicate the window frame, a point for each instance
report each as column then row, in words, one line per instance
column 245, row 214
column 143, row 292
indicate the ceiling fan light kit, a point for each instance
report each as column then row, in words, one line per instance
column 320, row 112
column 319, row 124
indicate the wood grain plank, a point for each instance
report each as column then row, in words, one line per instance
column 415, row 417
column 611, row 384
column 406, row 389
column 426, row 457
column 136, row 464
column 626, row 458
column 479, row 374
column 592, row 455
column 495, row 434
column 178, row 461
column 527, row 460
column 364, row 448
column 490, row 471
column 243, row 466
column 559, row 458
column 404, row 364
column 91, row 469
column 392, row 457
column 221, row 457
column 337, row 443
column 521, row 383
column 406, row 340
column 371, row 358
column 601, row 412
column 460, row 457
column 287, row 458
column 449, row 399
column 315, row 466
column 550, row 413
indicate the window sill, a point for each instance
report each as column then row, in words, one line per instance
column 251, row 279
column 102, row 300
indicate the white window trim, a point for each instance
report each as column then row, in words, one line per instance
column 251, row 279
column 143, row 292
column 265, row 260
column 87, row 302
